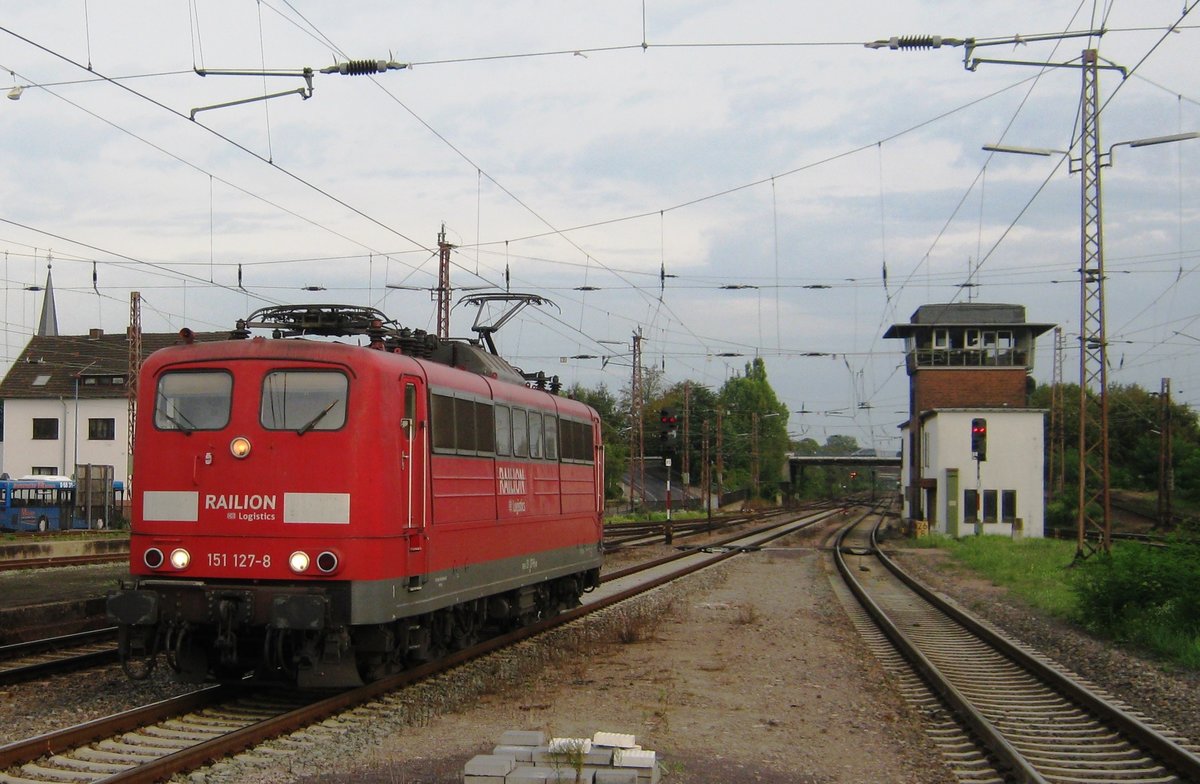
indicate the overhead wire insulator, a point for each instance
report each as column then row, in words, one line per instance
column 363, row 67
column 913, row 42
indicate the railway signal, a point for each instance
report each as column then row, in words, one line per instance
column 979, row 438
column 668, row 420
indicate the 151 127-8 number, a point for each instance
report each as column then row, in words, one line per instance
column 239, row 560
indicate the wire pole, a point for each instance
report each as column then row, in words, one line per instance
column 1055, row 477
column 1095, row 500
column 637, row 443
column 1166, row 471
column 443, row 289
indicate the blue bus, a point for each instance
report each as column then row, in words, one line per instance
column 37, row 503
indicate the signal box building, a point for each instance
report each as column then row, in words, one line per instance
column 972, row 455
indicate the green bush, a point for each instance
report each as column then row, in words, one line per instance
column 1149, row 596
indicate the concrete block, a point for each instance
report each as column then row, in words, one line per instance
column 547, row 776
column 518, row 753
column 633, row 758
column 523, row 738
column 543, row 757
column 623, row 776
column 615, row 740
column 569, row 745
column 489, row 765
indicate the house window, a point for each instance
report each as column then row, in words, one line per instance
column 45, row 429
column 45, row 471
column 990, row 513
column 102, row 429
column 941, row 338
column 970, row 508
column 1008, row 505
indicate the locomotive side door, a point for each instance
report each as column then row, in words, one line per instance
column 414, row 467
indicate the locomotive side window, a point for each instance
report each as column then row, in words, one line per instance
column 442, row 422
column 503, row 430
column 485, row 428
column 462, row 425
column 551, row 431
column 193, row 400
column 520, row 433
column 578, row 444
column 567, row 435
column 304, row 400
column 535, row 434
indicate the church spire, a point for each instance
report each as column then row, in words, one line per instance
column 49, row 322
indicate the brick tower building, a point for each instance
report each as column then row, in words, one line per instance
column 972, row 457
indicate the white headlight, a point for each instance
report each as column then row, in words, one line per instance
column 180, row 558
column 239, row 447
column 299, row 562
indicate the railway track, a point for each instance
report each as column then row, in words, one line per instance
column 27, row 660
column 1000, row 712
column 34, row 659
column 52, row 562
column 158, row 741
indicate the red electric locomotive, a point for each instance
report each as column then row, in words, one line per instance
column 325, row 513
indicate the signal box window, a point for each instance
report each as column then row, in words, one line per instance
column 971, row 506
column 1008, row 505
column 102, row 430
column 197, row 400
column 45, row 429
column 304, row 400
column 990, row 512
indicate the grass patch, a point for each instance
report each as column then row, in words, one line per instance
column 1145, row 597
column 654, row 517
column 1036, row 570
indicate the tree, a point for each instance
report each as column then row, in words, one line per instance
column 753, row 414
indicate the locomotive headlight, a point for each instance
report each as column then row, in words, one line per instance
column 240, row 447
column 298, row 562
column 153, row 558
column 327, row 562
column 180, row 558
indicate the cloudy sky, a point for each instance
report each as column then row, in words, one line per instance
column 731, row 179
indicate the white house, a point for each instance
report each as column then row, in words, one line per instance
column 999, row 494
column 66, row 404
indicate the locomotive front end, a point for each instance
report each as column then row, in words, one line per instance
column 242, row 525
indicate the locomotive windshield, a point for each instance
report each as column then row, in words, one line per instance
column 304, row 400
column 193, row 400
